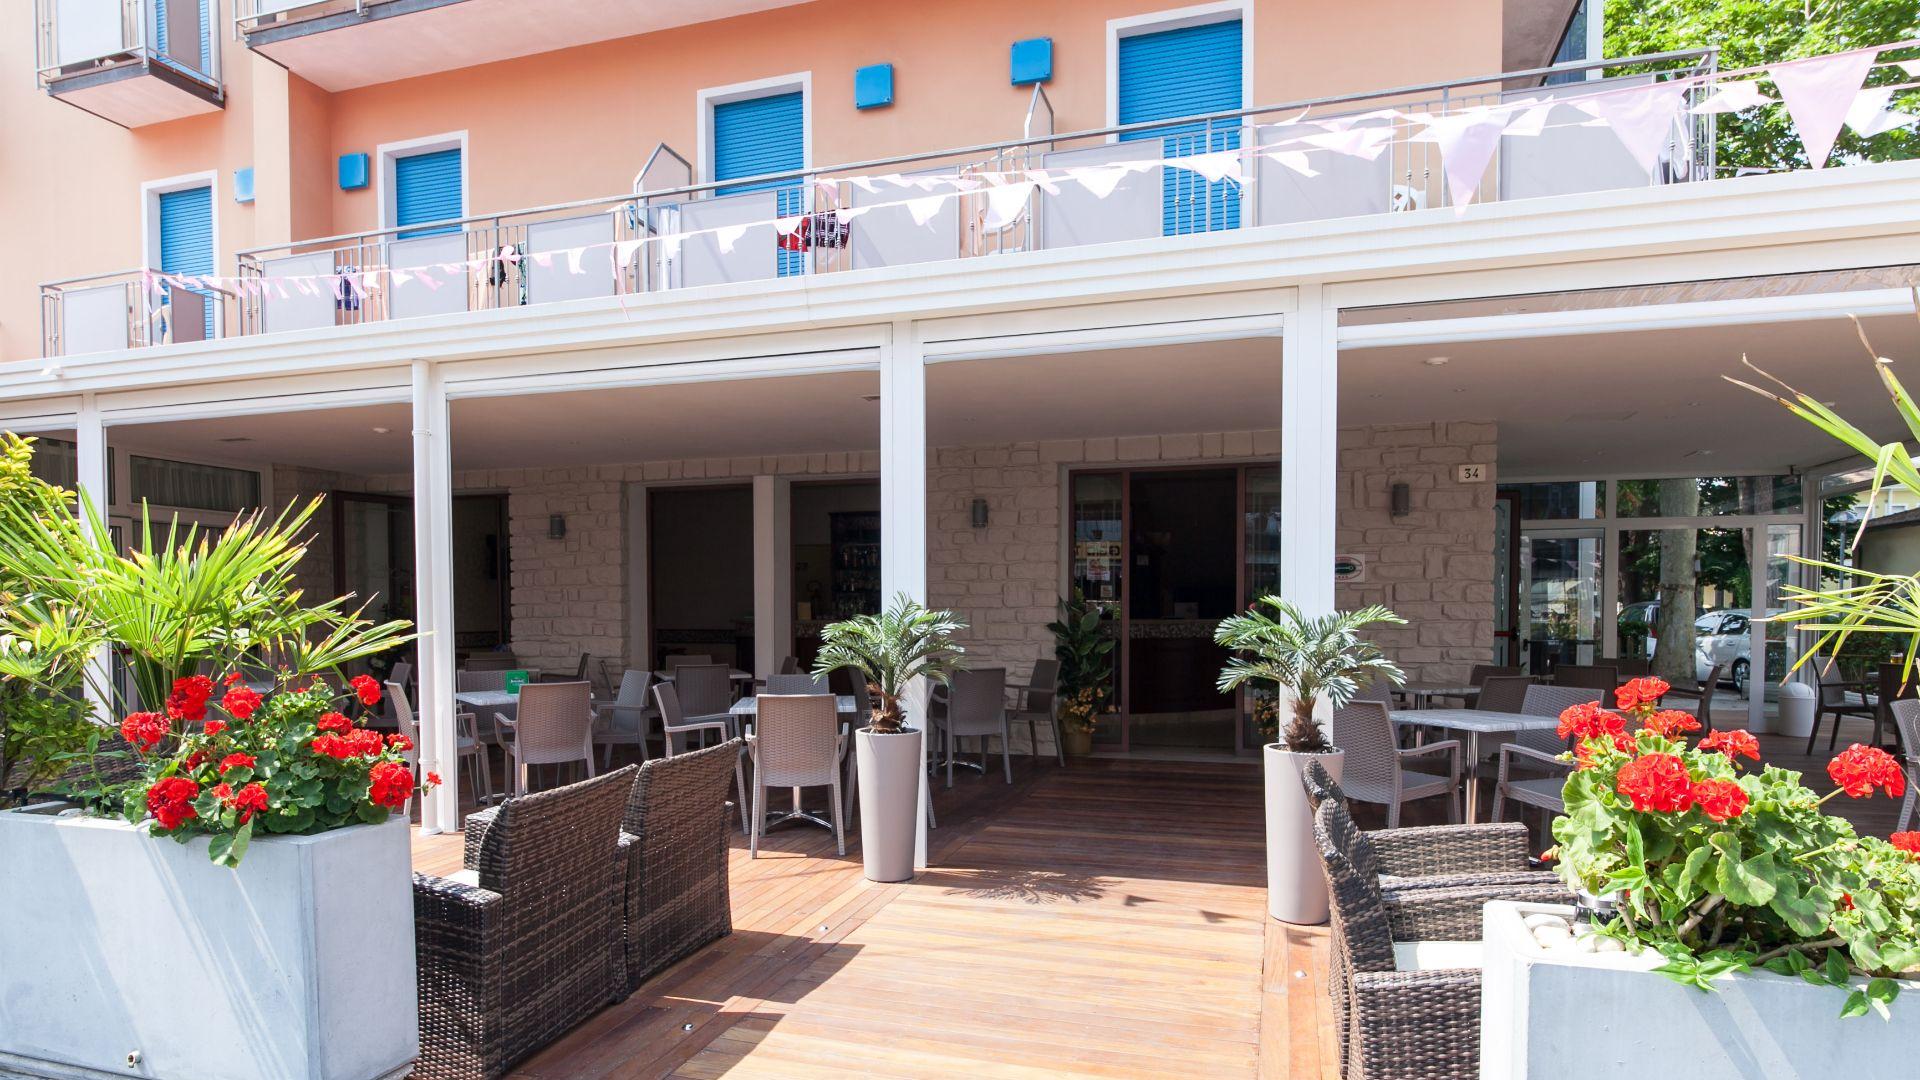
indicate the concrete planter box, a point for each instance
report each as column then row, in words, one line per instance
column 1570, row 1015
column 125, row 955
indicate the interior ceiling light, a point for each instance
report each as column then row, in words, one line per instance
column 382, row 430
column 1436, row 361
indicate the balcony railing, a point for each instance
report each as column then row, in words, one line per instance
column 676, row 231
column 249, row 14
column 85, row 37
column 127, row 309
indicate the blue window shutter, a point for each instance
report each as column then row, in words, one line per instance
column 759, row 136
column 206, row 39
column 186, row 235
column 1185, row 72
column 426, row 187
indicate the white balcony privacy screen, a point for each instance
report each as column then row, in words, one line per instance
column 96, row 319
column 297, row 310
column 889, row 237
column 188, row 317
column 416, row 297
column 1134, row 211
column 754, row 255
column 1567, row 158
column 86, row 29
column 1344, row 187
column 557, row 280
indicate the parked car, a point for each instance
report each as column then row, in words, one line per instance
column 1721, row 637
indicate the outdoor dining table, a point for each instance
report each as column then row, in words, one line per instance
column 745, row 710
column 1474, row 723
column 1423, row 693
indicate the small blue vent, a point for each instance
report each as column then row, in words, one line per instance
column 873, row 86
column 1031, row 61
column 353, row 172
column 243, row 185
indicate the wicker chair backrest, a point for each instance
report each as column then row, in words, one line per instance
column 633, row 689
column 796, row 684
column 1359, row 914
column 681, row 793
column 1482, row 672
column 1551, row 701
column 539, row 844
column 704, row 689
column 798, row 737
column 977, row 700
column 1906, row 716
column 1597, row 676
column 468, row 680
column 1365, row 731
column 1046, row 673
column 668, row 699
column 403, row 712
column 681, row 659
column 789, row 665
column 401, row 672
column 554, row 722
column 1320, row 785
column 1503, row 693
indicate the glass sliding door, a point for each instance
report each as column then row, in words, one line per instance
column 1558, row 616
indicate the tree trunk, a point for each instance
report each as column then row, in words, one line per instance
column 1673, row 658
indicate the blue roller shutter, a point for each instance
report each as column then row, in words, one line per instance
column 1186, row 72
column 760, row 136
column 186, row 235
column 426, row 187
column 161, row 34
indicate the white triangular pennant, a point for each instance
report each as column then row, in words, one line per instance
column 727, row 236
column 1732, row 96
column 924, row 208
column 1641, row 117
column 1099, row 181
column 1818, row 93
column 1005, row 204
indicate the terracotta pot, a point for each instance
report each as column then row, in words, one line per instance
column 889, row 801
column 1296, row 881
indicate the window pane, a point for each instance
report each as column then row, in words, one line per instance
column 1563, row 500
column 1707, row 496
column 193, row 487
column 57, row 462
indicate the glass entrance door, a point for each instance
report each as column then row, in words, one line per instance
column 1559, row 598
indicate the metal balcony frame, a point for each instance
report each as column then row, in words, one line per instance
column 134, row 58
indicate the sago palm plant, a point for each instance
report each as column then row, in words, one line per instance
column 1310, row 656
column 890, row 650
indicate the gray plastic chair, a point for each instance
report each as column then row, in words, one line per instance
column 624, row 721
column 1539, row 750
column 705, row 690
column 1376, row 770
column 554, row 726
column 679, row 660
column 466, row 744
column 1906, row 718
column 673, row 721
column 1504, row 693
column 790, row 665
column 797, row 743
column 792, row 683
column 975, row 707
column 1035, row 705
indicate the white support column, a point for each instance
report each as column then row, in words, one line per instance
column 772, row 572
column 1309, row 451
column 90, row 453
column 903, row 506
column 433, row 595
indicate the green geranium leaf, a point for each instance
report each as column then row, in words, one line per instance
column 1836, row 967
column 1745, row 883
column 1805, row 915
column 1856, row 1005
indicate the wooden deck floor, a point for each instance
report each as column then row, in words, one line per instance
column 1107, row 919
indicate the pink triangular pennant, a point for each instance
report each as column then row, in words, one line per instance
column 1466, row 141
column 1641, row 117
column 1818, row 93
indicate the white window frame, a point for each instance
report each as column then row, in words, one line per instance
column 1175, row 19
column 746, row 91
column 386, row 188
column 150, row 192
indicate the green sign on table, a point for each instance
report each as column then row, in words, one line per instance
column 515, row 680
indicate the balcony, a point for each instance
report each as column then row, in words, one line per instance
column 343, row 44
column 670, row 234
column 134, row 62
column 127, row 309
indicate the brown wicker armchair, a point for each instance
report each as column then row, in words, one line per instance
column 1395, row 1023
column 1433, row 855
column 515, row 949
column 674, row 842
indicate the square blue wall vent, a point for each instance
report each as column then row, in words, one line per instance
column 243, row 185
column 353, row 171
column 1031, row 61
column 873, row 86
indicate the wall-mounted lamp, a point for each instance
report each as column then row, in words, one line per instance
column 979, row 513
column 1400, row 500
column 557, row 527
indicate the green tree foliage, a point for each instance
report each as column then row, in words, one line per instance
column 1751, row 33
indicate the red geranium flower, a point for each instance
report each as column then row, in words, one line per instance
column 1647, row 690
column 231, row 678
column 195, row 760
column 368, row 688
column 144, row 730
column 1908, row 842
column 236, row 761
column 1671, row 722
column 1656, row 782
column 222, row 791
column 249, row 800
column 433, row 779
column 390, row 784
column 332, row 746
column 1846, row 901
column 1589, row 720
column 1720, row 799
column 333, row 721
column 1733, row 744
column 189, row 698
column 240, row 702
column 1858, row 769
column 399, row 742
column 170, row 801
column 215, row 727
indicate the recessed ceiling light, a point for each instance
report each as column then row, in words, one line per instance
column 1436, row 361
column 382, row 430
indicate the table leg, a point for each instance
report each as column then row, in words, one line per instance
column 1472, row 809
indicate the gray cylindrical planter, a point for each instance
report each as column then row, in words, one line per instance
column 1296, row 882
column 889, row 801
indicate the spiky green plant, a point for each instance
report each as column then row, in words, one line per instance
column 890, row 650
column 1309, row 656
column 1875, row 604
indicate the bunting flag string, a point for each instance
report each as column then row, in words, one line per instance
column 1820, row 94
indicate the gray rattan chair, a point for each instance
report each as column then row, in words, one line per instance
column 1036, row 705
column 797, row 743
column 795, row 683
column 1433, row 855
column 1906, row 720
column 1539, row 751
column 1378, row 771
column 674, row 722
column 517, row 949
column 1503, row 693
column 674, row 837
column 680, row 660
column 466, row 744
column 789, row 665
column 706, row 690
column 624, row 721
column 1701, row 693
column 1590, row 676
column 1831, row 699
column 975, row 707
column 554, row 726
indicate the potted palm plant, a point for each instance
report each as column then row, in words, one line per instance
column 1306, row 659
column 890, row 650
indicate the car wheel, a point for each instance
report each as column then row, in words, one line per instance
column 1740, row 677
